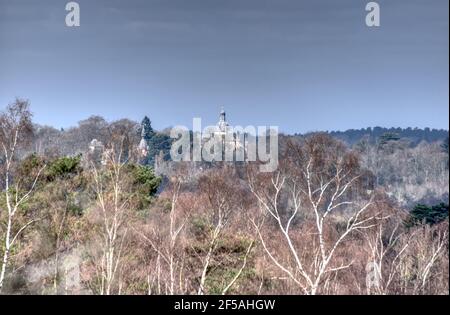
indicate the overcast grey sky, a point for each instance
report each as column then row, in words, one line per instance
column 301, row 65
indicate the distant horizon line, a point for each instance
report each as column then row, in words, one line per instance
column 280, row 132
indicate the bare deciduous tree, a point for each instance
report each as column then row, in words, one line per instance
column 423, row 259
column 15, row 132
column 317, row 179
column 225, row 198
column 384, row 255
column 167, row 246
column 112, row 190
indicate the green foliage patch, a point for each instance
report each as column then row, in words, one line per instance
column 428, row 215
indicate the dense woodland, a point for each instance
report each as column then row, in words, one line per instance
column 413, row 135
column 359, row 212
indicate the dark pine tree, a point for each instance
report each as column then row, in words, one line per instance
column 156, row 142
column 159, row 142
column 426, row 214
column 147, row 127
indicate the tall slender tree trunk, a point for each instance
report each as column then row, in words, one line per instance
column 6, row 253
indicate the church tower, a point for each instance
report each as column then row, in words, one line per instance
column 143, row 145
column 222, row 121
